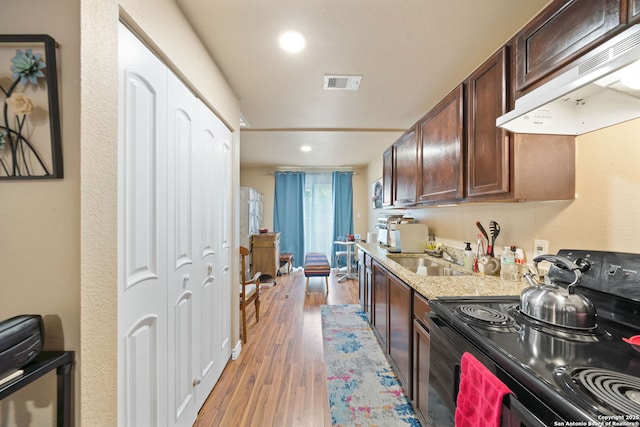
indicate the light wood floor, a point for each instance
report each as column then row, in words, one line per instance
column 279, row 378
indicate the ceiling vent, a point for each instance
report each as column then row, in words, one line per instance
column 341, row 82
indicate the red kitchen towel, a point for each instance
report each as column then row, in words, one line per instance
column 479, row 402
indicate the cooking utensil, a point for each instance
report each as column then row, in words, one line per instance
column 478, row 254
column 553, row 304
column 494, row 227
column 482, row 230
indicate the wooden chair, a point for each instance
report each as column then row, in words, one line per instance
column 249, row 291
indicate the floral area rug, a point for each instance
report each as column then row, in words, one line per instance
column 363, row 388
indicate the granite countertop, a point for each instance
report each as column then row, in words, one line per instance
column 432, row 287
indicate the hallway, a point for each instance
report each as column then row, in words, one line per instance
column 279, row 378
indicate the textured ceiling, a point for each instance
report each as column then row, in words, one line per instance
column 411, row 53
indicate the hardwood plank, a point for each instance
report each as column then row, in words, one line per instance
column 279, row 378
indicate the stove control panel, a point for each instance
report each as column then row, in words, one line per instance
column 610, row 272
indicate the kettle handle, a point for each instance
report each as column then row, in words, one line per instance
column 563, row 263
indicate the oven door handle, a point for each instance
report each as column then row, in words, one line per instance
column 524, row 415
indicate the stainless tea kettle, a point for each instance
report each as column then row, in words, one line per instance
column 555, row 304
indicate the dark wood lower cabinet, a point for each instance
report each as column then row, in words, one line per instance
column 421, row 345
column 362, row 285
column 380, row 304
column 400, row 322
column 421, row 349
column 400, row 343
column 365, row 282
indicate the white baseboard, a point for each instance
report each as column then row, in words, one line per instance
column 235, row 353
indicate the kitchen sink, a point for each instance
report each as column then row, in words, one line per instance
column 432, row 268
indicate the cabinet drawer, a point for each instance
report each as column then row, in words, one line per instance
column 421, row 309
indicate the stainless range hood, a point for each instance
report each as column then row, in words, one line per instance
column 591, row 95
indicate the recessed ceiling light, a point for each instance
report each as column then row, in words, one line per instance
column 292, row 41
column 305, row 148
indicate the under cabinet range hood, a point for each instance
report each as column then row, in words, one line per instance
column 601, row 89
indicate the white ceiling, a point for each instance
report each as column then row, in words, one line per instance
column 410, row 53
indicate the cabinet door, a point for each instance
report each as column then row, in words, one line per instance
column 369, row 289
column 487, row 145
column 380, row 303
column 421, row 346
column 362, row 283
column 264, row 248
column 560, row 34
column 400, row 317
column 441, row 151
column 276, row 255
column 634, row 11
column 387, row 177
column 405, row 169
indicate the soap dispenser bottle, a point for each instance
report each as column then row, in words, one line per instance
column 468, row 256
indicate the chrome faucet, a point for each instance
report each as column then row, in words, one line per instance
column 454, row 260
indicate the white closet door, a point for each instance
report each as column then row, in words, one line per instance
column 142, row 223
column 207, row 253
column 183, row 285
column 174, row 247
column 226, row 282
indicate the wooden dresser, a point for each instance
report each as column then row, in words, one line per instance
column 265, row 248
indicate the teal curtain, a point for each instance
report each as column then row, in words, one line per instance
column 342, row 207
column 288, row 213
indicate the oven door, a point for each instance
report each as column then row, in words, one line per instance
column 447, row 347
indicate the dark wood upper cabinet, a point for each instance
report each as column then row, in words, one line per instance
column 405, row 169
column 441, row 150
column 634, row 11
column 561, row 33
column 487, row 145
column 387, row 177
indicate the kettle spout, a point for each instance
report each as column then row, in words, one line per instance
column 528, row 276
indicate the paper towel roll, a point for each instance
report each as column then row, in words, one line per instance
column 372, row 237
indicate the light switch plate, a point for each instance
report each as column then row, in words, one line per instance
column 540, row 247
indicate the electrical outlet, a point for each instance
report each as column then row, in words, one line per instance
column 540, row 247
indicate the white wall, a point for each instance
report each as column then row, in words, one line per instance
column 40, row 226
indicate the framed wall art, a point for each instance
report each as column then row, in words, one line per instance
column 376, row 191
column 30, row 137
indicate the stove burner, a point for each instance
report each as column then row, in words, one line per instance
column 617, row 392
column 482, row 313
column 486, row 317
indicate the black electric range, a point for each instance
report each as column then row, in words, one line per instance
column 559, row 376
